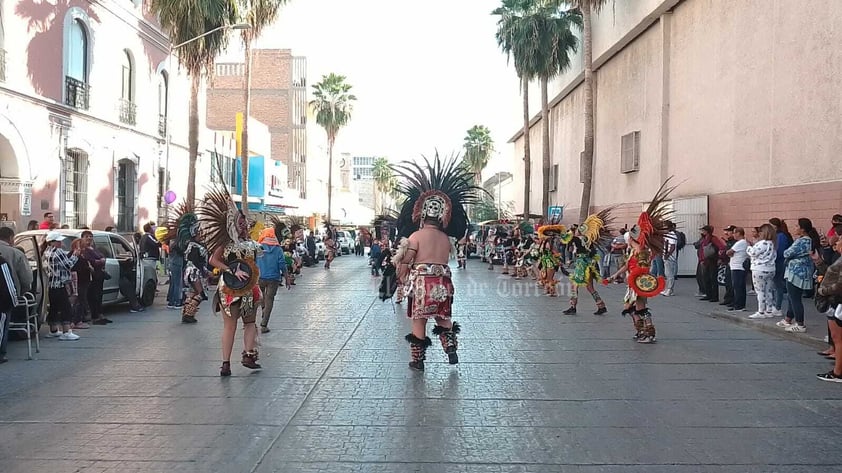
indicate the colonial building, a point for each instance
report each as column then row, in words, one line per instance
column 84, row 114
column 278, row 99
column 740, row 104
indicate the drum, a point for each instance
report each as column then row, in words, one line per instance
column 233, row 286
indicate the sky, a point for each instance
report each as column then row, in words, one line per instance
column 423, row 72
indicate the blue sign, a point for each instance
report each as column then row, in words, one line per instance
column 555, row 213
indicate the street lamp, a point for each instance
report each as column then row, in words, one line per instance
column 235, row 26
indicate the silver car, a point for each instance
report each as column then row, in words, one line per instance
column 117, row 251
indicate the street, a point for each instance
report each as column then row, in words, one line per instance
column 535, row 391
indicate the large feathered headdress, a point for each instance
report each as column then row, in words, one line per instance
column 436, row 191
column 653, row 223
column 595, row 231
column 223, row 222
column 388, row 221
column 182, row 225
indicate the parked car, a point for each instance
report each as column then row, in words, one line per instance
column 345, row 242
column 118, row 251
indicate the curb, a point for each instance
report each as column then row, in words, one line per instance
column 803, row 338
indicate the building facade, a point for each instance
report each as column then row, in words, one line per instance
column 278, row 99
column 740, row 104
column 361, row 169
column 84, row 114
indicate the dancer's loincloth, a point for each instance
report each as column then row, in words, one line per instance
column 429, row 290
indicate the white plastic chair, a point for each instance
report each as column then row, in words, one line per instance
column 28, row 303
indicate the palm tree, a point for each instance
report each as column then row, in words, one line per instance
column 258, row 14
column 384, row 180
column 332, row 103
column 552, row 31
column 478, row 148
column 183, row 22
column 587, row 7
column 514, row 37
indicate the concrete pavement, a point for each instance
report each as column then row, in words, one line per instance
column 535, row 392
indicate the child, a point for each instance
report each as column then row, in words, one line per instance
column 374, row 256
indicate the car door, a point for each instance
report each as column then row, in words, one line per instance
column 110, row 287
column 124, row 250
column 29, row 245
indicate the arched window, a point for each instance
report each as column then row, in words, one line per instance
column 128, row 76
column 77, row 64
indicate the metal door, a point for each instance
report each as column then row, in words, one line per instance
column 689, row 214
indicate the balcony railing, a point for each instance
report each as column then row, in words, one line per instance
column 76, row 93
column 128, row 112
column 162, row 125
column 2, row 65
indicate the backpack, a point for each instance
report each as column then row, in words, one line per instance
column 8, row 293
column 681, row 240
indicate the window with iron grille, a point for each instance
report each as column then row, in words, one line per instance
column 75, row 188
column 228, row 168
column 630, row 153
column 126, row 184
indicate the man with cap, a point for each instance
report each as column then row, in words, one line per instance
column 709, row 248
column 59, row 264
column 728, row 300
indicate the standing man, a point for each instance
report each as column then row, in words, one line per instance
column 48, row 222
column 21, row 275
column 725, row 259
column 272, row 266
column 670, row 259
column 430, row 214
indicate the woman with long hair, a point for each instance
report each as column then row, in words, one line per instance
column 799, row 274
column 782, row 241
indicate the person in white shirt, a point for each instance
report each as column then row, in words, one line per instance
column 763, row 254
column 739, row 256
column 670, row 260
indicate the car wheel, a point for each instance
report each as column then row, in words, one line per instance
column 148, row 293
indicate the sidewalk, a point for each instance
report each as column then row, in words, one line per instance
column 685, row 289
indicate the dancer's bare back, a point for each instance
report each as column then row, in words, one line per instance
column 431, row 246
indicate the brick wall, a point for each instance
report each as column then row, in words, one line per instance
column 271, row 82
column 818, row 202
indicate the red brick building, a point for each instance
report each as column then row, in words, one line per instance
column 278, row 99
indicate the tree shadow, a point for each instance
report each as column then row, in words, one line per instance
column 142, row 212
column 106, row 196
column 45, row 50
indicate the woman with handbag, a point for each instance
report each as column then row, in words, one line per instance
column 93, row 292
column 799, row 274
column 828, row 297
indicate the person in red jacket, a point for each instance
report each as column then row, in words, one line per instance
column 48, row 222
column 711, row 250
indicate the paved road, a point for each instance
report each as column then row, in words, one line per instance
column 536, row 392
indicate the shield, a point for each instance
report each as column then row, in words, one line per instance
column 233, row 286
column 644, row 284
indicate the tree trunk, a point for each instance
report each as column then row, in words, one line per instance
column 545, row 146
column 244, row 158
column 330, row 141
column 193, row 136
column 587, row 160
column 527, row 157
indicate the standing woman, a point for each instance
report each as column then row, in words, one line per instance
column 233, row 253
column 782, row 241
column 93, row 293
column 59, row 264
column 763, row 255
column 799, row 274
column 330, row 244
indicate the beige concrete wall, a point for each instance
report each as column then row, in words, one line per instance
column 766, row 113
column 749, row 100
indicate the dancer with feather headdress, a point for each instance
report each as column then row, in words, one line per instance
column 330, row 243
column 433, row 210
column 646, row 241
column 184, row 233
column 234, row 253
column 590, row 236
